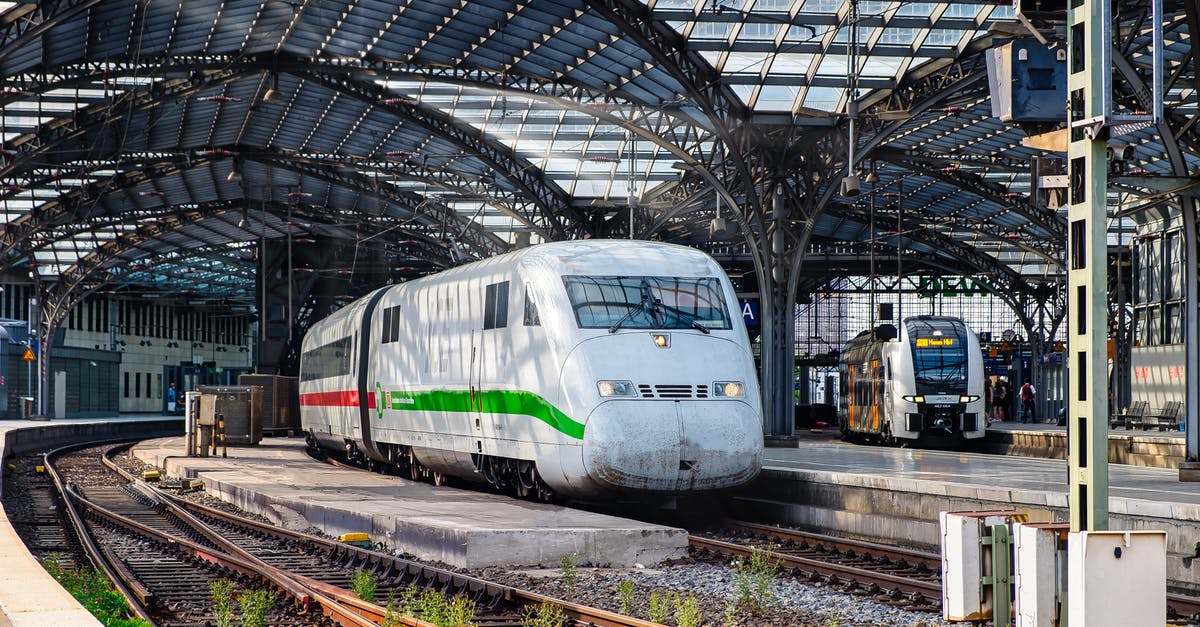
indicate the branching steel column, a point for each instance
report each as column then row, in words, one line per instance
column 1087, row 265
column 778, row 334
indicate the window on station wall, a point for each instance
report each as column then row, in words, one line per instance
column 126, row 385
column 1174, row 257
column 1152, row 252
column 1152, row 335
column 1174, row 323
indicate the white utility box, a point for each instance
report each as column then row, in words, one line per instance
column 1116, row 578
column 965, row 563
column 1039, row 572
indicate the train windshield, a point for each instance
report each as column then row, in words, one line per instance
column 939, row 350
column 647, row 302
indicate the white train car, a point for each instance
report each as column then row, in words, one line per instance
column 923, row 387
column 578, row 369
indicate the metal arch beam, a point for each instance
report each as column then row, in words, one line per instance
column 552, row 201
column 96, row 269
column 704, row 85
column 665, row 127
column 670, row 132
column 66, row 208
column 34, row 23
column 145, row 233
column 482, row 242
column 1006, row 279
column 25, row 148
column 921, row 85
column 669, row 49
column 974, row 184
column 404, row 168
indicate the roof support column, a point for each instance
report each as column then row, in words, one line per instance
column 778, row 334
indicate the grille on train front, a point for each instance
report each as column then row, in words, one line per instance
column 667, row 390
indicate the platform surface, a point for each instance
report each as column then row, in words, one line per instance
column 465, row 528
column 931, row 469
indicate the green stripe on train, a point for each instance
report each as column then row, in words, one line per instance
column 514, row 402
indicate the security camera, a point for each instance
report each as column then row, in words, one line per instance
column 851, row 185
column 1119, row 151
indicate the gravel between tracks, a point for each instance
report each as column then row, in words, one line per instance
column 714, row 587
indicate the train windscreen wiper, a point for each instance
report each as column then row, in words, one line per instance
column 648, row 304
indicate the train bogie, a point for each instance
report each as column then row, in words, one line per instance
column 579, row 368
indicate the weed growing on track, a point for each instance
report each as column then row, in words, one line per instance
column 625, row 596
column 570, row 570
column 755, row 581
column 255, row 604
column 659, row 607
column 364, row 584
column 221, row 591
column 543, row 615
column 93, row 590
column 687, row 612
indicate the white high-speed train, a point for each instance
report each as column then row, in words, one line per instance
column 578, row 369
column 923, row 387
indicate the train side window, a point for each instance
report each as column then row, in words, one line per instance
column 887, row 369
column 391, row 324
column 495, row 306
column 532, row 319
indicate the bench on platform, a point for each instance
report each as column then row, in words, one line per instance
column 1166, row 417
column 1133, row 416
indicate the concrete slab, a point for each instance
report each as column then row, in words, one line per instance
column 278, row 481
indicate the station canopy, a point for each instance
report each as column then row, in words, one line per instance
column 152, row 145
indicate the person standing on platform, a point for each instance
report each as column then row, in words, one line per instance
column 171, row 398
column 1000, row 401
column 987, row 400
column 1028, row 394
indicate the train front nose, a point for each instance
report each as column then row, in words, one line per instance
column 673, row 446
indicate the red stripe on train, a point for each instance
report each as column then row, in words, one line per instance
column 347, row 398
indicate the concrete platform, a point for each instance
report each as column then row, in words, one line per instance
column 277, row 480
column 892, row 494
column 1136, row 447
column 29, row 596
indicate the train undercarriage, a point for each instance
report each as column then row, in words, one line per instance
column 514, row 477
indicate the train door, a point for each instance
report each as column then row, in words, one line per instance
column 876, row 397
column 887, row 393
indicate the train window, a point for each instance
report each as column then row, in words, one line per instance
column 330, row 360
column 391, row 324
column 647, row 302
column 532, row 319
column 495, row 306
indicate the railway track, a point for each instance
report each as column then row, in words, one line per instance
column 907, row 578
column 168, row 551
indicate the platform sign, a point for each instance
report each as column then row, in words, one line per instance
column 749, row 312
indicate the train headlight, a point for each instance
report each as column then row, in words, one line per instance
column 728, row 389
column 968, row 398
column 616, row 388
column 661, row 340
column 914, row 399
